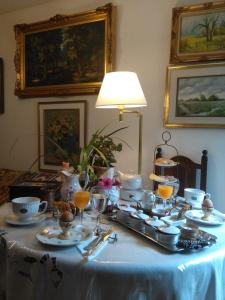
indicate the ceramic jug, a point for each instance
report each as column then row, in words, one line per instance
column 148, row 199
column 70, row 185
column 131, row 181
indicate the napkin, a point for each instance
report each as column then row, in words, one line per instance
column 99, row 248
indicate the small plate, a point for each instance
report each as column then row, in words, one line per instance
column 140, row 216
column 13, row 220
column 126, row 207
column 50, row 236
column 172, row 220
column 196, row 216
column 160, row 212
column 166, row 165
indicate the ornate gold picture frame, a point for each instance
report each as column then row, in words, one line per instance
column 195, row 96
column 65, row 55
column 198, row 33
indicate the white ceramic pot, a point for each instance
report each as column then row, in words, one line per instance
column 70, row 185
column 148, row 199
column 168, row 234
column 131, row 181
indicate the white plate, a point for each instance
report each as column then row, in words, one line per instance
column 13, row 220
column 139, row 216
column 50, row 236
column 166, row 165
column 196, row 216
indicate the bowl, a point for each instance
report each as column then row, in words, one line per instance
column 194, row 196
column 168, row 234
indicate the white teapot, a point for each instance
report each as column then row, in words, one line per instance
column 131, row 181
column 148, row 200
column 70, row 185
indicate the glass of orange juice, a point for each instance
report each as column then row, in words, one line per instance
column 81, row 200
column 165, row 192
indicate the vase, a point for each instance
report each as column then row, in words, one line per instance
column 113, row 195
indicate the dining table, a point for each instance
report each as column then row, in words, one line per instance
column 129, row 268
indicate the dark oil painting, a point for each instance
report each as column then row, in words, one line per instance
column 62, row 132
column 66, row 55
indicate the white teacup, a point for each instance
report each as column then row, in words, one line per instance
column 26, row 208
column 194, row 196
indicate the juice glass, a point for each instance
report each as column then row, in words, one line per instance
column 165, row 192
column 81, row 200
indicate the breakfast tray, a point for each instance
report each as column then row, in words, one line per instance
column 152, row 234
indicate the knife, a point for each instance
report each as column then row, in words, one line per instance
column 100, row 240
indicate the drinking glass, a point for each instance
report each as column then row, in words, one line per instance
column 99, row 203
column 81, row 200
column 165, row 192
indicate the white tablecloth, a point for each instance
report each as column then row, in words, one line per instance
column 132, row 269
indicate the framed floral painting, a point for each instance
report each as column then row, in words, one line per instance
column 195, row 96
column 62, row 132
column 1, row 87
column 198, row 33
column 65, row 55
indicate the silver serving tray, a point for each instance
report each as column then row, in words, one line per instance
column 152, row 234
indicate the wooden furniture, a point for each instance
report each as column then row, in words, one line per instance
column 186, row 170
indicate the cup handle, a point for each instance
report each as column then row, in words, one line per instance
column 45, row 204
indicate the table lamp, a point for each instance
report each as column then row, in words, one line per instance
column 122, row 90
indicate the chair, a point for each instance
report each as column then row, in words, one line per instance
column 186, row 171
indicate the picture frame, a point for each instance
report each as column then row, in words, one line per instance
column 195, row 96
column 1, row 87
column 198, row 33
column 65, row 55
column 62, row 129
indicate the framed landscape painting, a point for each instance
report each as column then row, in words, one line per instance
column 62, row 132
column 195, row 96
column 67, row 54
column 198, row 33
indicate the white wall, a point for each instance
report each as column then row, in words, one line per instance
column 142, row 45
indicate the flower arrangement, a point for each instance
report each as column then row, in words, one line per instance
column 107, row 183
column 111, row 187
column 99, row 152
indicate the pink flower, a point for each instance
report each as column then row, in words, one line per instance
column 100, row 184
column 106, row 182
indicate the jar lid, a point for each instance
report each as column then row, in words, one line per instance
column 169, row 229
column 155, row 221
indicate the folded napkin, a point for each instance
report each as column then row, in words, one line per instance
column 98, row 249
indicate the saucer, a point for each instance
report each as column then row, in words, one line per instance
column 13, row 220
column 140, row 216
column 196, row 216
column 51, row 236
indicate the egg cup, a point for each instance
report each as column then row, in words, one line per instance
column 66, row 230
column 207, row 212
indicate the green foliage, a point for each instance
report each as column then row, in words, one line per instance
column 98, row 152
column 190, row 44
column 206, row 108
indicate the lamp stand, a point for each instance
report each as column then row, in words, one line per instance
column 140, row 121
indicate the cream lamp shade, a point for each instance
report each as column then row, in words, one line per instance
column 121, row 90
